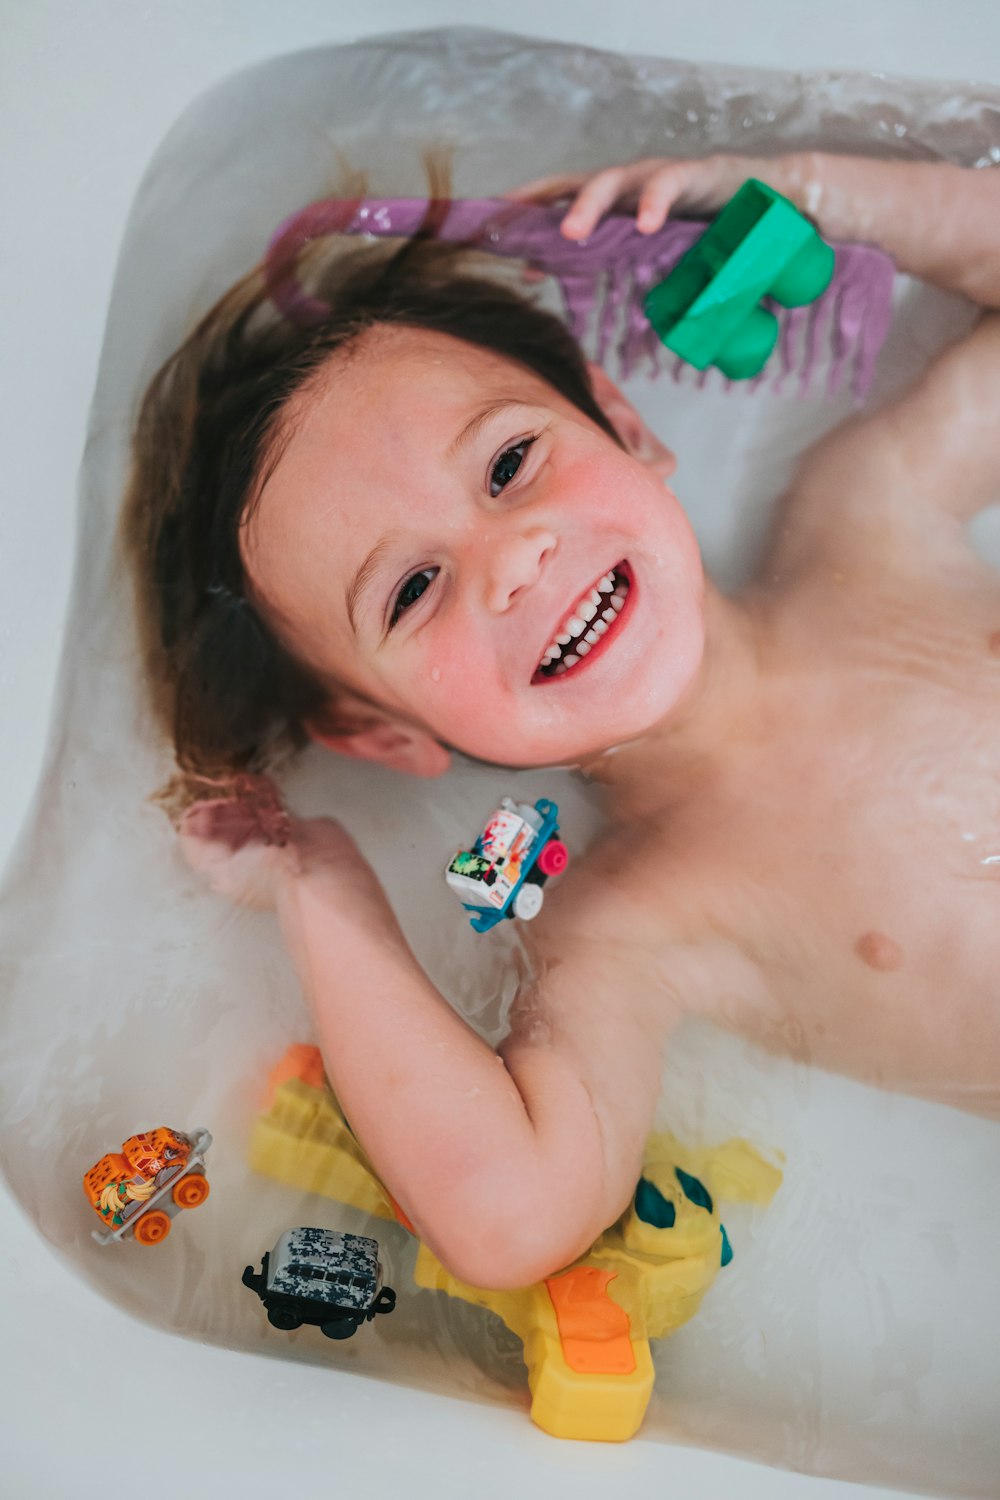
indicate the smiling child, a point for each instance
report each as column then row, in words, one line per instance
column 426, row 525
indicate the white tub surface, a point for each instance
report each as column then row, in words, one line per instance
column 94, row 1403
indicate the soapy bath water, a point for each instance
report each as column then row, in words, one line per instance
column 851, row 1333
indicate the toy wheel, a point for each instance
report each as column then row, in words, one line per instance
column 284, row 1318
column 152, row 1227
column 528, row 901
column 339, row 1328
column 554, row 858
column 190, row 1191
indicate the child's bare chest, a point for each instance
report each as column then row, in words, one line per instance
column 851, row 846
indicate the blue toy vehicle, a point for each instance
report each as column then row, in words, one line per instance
column 503, row 873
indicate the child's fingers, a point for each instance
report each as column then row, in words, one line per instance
column 224, row 842
column 654, row 182
column 593, row 200
column 656, row 185
column 658, row 195
column 544, row 189
column 235, row 821
column 219, row 821
column 593, row 194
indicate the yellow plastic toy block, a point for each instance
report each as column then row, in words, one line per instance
column 585, row 1330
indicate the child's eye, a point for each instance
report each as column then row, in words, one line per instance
column 507, row 465
column 411, row 591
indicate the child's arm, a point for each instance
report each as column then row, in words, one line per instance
column 937, row 221
column 936, row 451
column 509, row 1167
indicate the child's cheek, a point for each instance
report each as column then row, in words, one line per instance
column 450, row 680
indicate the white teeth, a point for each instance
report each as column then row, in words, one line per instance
column 591, row 619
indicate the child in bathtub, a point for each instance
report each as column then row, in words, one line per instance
column 396, row 534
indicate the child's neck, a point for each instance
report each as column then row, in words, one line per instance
column 647, row 773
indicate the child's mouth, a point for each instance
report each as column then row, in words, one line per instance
column 588, row 627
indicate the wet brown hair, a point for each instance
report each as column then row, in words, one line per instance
column 210, row 430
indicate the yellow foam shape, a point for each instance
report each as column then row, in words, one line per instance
column 303, row 1140
column 564, row 1403
column 734, row 1172
column 656, row 1276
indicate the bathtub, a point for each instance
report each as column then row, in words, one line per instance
column 94, row 1398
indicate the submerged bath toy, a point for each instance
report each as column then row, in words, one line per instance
column 708, row 309
column 605, row 279
column 323, row 1277
column 138, row 1190
column 502, row 875
column 585, row 1330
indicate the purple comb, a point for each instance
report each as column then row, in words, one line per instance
column 604, row 280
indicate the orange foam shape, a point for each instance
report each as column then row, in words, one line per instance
column 301, row 1061
column 593, row 1330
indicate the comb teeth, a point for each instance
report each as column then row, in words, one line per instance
column 604, row 280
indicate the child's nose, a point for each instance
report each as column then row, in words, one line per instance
column 514, row 562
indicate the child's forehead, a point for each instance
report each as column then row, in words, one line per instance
column 395, row 367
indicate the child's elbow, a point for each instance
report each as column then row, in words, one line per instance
column 502, row 1264
column 503, row 1250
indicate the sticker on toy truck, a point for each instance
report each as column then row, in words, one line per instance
column 503, row 873
column 494, row 867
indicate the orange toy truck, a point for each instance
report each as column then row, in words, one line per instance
column 138, row 1190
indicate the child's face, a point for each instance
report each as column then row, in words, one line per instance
column 434, row 519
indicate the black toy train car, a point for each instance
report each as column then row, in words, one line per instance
column 323, row 1277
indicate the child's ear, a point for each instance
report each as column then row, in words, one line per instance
column 630, row 427
column 386, row 741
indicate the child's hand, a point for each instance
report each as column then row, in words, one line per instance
column 936, row 220
column 248, row 845
column 251, row 849
column 655, row 187
column 240, row 842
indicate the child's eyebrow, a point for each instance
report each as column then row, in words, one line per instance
column 478, row 421
column 364, row 576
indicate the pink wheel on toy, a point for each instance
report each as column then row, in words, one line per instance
column 554, row 858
